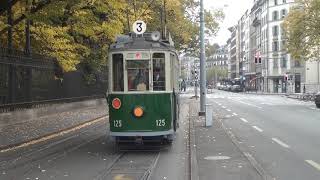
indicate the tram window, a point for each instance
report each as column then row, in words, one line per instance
column 159, row 83
column 138, row 75
column 117, row 66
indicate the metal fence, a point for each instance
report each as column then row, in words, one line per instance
column 27, row 80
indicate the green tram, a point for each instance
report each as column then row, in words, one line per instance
column 143, row 89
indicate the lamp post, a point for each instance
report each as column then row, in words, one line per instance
column 202, row 62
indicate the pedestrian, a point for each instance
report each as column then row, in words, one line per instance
column 183, row 85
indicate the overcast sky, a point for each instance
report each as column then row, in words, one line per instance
column 233, row 10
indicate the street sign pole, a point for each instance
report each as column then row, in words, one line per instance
column 202, row 63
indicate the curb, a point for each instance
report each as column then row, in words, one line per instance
column 194, row 169
column 257, row 166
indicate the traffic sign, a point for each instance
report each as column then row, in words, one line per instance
column 139, row 27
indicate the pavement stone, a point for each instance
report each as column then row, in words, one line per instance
column 217, row 156
column 21, row 132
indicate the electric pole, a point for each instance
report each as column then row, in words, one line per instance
column 202, row 62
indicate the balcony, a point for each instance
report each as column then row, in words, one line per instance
column 256, row 22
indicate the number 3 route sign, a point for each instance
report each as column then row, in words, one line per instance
column 139, row 27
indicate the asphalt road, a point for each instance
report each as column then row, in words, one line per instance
column 282, row 134
column 89, row 154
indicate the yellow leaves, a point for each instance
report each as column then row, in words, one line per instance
column 52, row 41
column 302, row 30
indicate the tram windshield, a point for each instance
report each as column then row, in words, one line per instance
column 138, row 75
column 159, row 83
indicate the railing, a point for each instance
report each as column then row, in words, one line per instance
column 28, row 81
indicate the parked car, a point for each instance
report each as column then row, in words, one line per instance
column 220, row 87
column 317, row 100
column 236, row 88
column 228, row 87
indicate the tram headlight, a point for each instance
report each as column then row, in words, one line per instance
column 138, row 112
column 116, row 103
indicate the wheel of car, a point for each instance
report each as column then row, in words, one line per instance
column 318, row 105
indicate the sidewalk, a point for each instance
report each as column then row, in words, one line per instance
column 20, row 132
column 217, row 156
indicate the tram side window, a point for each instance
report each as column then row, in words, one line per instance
column 117, row 67
column 159, row 81
column 138, row 75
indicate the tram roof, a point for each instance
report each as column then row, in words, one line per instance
column 139, row 42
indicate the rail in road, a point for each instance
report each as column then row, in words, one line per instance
column 131, row 165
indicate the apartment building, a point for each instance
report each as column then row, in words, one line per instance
column 233, row 49
column 257, row 50
column 219, row 59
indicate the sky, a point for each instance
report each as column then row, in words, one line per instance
column 233, row 10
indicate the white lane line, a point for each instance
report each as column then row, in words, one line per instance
column 249, row 104
column 257, row 128
column 235, row 114
column 313, row 108
column 224, row 107
column 281, row 143
column 244, row 120
column 228, row 110
column 314, row 164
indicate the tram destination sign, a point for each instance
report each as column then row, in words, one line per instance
column 138, row 55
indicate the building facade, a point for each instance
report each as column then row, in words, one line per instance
column 233, row 49
column 219, row 59
column 258, row 52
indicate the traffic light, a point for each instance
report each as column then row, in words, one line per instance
column 285, row 77
column 257, row 60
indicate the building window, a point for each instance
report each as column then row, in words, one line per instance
column 284, row 1
column 275, row 2
column 275, row 30
column 275, row 63
column 275, row 46
column 297, row 63
column 284, row 62
column 283, row 13
column 275, row 15
column 283, row 45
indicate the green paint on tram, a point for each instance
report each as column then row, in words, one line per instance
column 157, row 112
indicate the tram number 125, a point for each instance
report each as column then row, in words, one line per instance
column 117, row 123
column 160, row 122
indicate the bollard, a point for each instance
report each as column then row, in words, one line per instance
column 209, row 115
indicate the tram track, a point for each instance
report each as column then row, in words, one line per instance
column 131, row 165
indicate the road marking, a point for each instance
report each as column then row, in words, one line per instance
column 235, row 114
column 244, row 120
column 228, row 110
column 313, row 108
column 257, row 128
column 223, row 107
column 280, row 143
column 314, row 164
column 250, row 104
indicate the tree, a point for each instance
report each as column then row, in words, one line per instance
column 302, row 29
column 216, row 73
column 211, row 49
column 78, row 32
